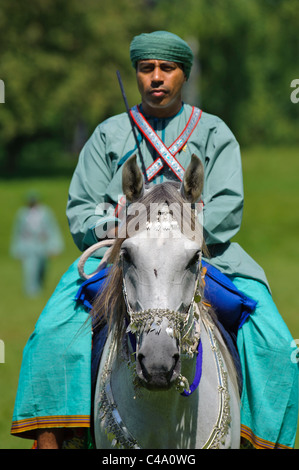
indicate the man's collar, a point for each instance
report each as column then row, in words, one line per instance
column 148, row 116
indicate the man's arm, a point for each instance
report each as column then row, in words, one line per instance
column 223, row 187
column 86, row 207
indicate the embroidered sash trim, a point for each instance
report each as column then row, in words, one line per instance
column 167, row 154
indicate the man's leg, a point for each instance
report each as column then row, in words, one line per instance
column 50, row 438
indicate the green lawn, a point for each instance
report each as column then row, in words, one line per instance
column 269, row 233
column 18, row 314
column 270, row 228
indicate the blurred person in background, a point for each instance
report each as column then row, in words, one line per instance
column 36, row 237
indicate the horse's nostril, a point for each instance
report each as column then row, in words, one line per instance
column 145, row 374
column 176, row 367
column 140, row 358
column 176, row 358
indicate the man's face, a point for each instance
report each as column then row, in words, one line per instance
column 160, row 84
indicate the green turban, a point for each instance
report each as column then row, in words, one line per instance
column 161, row 45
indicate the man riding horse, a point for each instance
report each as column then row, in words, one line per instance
column 54, row 393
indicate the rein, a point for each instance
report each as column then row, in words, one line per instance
column 198, row 373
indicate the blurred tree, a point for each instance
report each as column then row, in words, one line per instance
column 248, row 55
column 58, row 63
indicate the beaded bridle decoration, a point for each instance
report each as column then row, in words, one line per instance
column 183, row 326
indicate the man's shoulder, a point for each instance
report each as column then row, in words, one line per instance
column 206, row 119
column 117, row 121
column 211, row 120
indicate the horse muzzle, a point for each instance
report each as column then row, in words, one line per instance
column 158, row 366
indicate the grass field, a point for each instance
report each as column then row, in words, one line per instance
column 270, row 234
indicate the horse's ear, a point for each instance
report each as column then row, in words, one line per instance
column 192, row 184
column 132, row 180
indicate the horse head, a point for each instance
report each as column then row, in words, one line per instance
column 161, row 266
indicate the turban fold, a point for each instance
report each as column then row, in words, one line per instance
column 161, row 45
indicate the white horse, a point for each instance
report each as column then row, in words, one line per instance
column 166, row 379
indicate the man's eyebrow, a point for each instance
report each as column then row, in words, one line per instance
column 164, row 62
column 141, row 62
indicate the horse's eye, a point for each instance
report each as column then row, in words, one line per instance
column 125, row 256
column 194, row 260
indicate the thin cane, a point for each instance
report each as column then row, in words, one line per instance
column 132, row 124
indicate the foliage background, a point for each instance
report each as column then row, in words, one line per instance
column 59, row 58
column 58, row 61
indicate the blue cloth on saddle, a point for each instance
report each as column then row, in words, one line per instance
column 231, row 305
column 90, row 288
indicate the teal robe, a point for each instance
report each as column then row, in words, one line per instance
column 95, row 190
